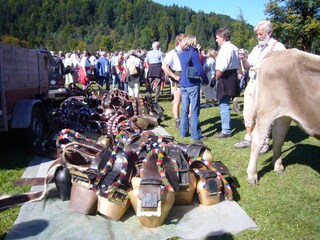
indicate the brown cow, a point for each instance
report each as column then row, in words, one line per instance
column 288, row 89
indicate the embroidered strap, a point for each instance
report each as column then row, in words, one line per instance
column 228, row 189
column 189, row 58
column 68, row 135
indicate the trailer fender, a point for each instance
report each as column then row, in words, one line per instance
column 22, row 112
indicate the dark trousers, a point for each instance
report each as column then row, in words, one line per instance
column 156, row 84
column 103, row 80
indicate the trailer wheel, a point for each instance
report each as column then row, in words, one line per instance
column 36, row 128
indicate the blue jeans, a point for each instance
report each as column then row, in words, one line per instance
column 190, row 96
column 118, row 81
column 125, row 86
column 224, row 106
column 114, row 80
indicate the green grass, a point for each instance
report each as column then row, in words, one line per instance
column 283, row 206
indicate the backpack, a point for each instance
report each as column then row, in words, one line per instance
column 132, row 68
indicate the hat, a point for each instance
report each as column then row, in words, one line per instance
column 52, row 53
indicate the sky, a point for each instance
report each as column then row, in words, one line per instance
column 253, row 10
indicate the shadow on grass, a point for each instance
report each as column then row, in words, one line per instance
column 215, row 126
column 304, row 154
column 13, row 154
column 225, row 236
column 296, row 135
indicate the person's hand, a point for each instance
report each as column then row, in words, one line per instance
column 176, row 77
column 203, row 82
column 213, row 82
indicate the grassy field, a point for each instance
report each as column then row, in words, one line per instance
column 283, row 206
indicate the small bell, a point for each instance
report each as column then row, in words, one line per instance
column 62, row 180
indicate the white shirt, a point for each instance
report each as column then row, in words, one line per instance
column 134, row 60
column 154, row 56
column 92, row 60
column 259, row 52
column 84, row 62
column 172, row 60
column 211, row 65
column 228, row 57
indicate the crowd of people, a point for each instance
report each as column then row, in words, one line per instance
column 222, row 76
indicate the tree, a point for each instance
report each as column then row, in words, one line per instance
column 145, row 38
column 128, row 24
column 242, row 35
column 82, row 46
column 106, row 43
column 165, row 29
column 296, row 23
column 10, row 40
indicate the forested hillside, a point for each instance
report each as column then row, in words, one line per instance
column 111, row 24
column 127, row 24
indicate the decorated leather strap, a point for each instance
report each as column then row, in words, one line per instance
column 84, row 162
column 142, row 106
column 223, row 169
column 78, row 155
column 183, row 165
column 210, row 181
column 115, row 123
column 193, row 150
column 108, row 100
column 168, row 169
column 129, row 125
column 117, row 183
column 20, row 199
column 127, row 131
column 68, row 135
column 228, row 191
column 135, row 107
column 149, row 197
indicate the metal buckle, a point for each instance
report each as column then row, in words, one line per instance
column 212, row 187
column 149, row 201
column 211, row 184
column 184, row 182
column 118, row 196
column 80, row 179
column 184, row 187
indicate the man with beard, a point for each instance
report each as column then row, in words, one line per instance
column 251, row 63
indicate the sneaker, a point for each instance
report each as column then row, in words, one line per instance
column 178, row 123
column 264, row 149
column 242, row 144
column 203, row 138
column 222, row 135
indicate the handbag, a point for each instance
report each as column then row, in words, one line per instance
column 192, row 72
